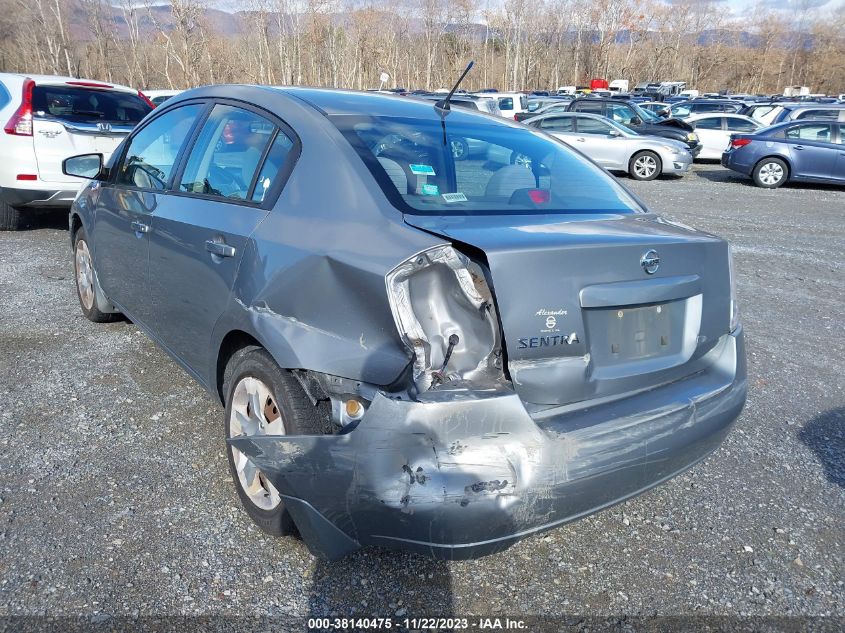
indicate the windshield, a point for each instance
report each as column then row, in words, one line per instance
column 483, row 168
column 88, row 105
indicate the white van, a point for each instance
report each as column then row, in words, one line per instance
column 510, row 103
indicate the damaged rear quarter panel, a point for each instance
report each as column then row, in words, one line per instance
column 311, row 286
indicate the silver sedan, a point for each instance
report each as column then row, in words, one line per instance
column 616, row 147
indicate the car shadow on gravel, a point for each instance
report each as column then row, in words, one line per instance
column 35, row 219
column 825, row 436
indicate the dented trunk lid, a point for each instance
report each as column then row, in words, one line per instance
column 581, row 316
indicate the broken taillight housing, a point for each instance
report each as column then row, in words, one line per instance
column 434, row 295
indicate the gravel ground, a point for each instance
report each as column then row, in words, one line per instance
column 116, row 497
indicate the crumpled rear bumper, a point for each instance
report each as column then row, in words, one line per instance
column 465, row 473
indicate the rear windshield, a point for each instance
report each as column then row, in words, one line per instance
column 483, row 168
column 88, row 105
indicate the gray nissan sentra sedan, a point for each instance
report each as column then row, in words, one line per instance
column 413, row 351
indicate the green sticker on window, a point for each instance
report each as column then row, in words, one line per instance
column 422, row 170
column 430, row 190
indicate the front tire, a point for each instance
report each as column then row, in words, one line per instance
column 11, row 218
column 770, row 173
column 263, row 399
column 87, row 286
column 645, row 165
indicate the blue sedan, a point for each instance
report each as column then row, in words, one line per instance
column 805, row 151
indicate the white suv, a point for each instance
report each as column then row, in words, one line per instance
column 47, row 119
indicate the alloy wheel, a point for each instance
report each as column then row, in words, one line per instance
column 84, row 274
column 254, row 412
column 645, row 166
column 771, row 173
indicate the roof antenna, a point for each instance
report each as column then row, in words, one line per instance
column 444, row 104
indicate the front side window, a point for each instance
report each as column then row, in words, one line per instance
column 621, row 114
column 225, row 157
column 508, row 170
column 680, row 111
column 151, row 155
column 818, row 132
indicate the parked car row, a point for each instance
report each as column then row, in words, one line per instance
column 48, row 118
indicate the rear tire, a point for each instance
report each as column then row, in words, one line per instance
column 770, row 173
column 11, row 218
column 284, row 409
column 645, row 165
column 87, row 286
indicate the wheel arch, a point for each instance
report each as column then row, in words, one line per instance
column 644, row 150
column 74, row 224
column 232, row 342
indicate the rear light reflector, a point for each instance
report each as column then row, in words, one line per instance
column 21, row 122
column 26, row 177
column 88, row 84
column 740, row 142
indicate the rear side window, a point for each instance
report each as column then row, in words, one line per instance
column 593, row 107
column 558, row 124
column 227, row 152
column 88, row 105
column 505, row 103
column 587, row 125
column 818, row 132
column 273, row 165
column 817, row 114
column 738, row 125
column 152, row 152
column 711, row 123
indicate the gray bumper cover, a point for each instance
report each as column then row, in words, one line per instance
column 464, row 473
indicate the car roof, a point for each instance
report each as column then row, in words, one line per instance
column 334, row 102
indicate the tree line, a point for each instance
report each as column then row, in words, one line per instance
column 516, row 44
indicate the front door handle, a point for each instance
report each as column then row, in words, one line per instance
column 140, row 227
column 580, row 139
column 799, row 147
column 219, row 248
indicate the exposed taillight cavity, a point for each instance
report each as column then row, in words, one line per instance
column 740, row 142
column 515, row 118
column 21, row 122
column 146, row 99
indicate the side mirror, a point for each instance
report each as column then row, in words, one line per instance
column 636, row 121
column 614, row 133
column 88, row 166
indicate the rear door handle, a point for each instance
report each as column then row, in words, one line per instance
column 219, row 248
column 799, row 147
column 140, row 227
column 580, row 139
